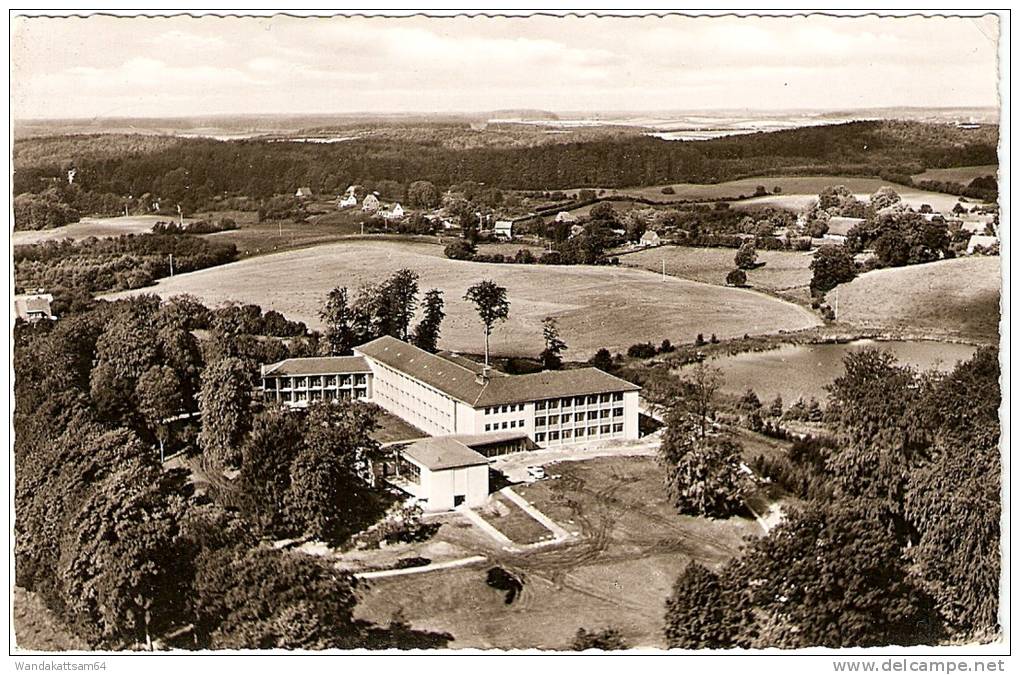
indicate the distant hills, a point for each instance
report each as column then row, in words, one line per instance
column 242, row 126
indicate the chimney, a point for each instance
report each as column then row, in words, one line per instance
column 483, row 377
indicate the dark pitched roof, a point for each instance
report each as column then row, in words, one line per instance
column 319, row 365
column 461, row 383
column 464, row 361
column 551, row 384
column 443, row 452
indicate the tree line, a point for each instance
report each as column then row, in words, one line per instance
column 193, row 172
column 128, row 552
column 897, row 539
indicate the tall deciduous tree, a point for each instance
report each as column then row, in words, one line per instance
column 554, row 346
column 705, row 612
column 422, row 194
column 330, row 493
column 832, row 576
column 426, row 333
column 226, row 411
column 267, row 454
column 831, row 266
column 341, row 321
column 492, row 305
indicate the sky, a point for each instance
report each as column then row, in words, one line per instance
column 181, row 66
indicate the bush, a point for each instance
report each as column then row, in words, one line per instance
column 460, row 250
column 736, row 277
column 641, row 350
column 668, row 190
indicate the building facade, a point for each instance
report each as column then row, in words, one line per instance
column 443, row 394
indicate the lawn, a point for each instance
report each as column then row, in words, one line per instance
column 954, row 298
column 959, row 174
column 785, row 272
column 595, row 306
column 513, row 522
column 618, row 573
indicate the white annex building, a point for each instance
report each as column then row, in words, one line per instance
column 476, row 410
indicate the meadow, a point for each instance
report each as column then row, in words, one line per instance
column 618, row 573
column 785, row 273
column 952, row 298
column 595, row 306
column 959, row 174
column 795, row 192
column 91, row 227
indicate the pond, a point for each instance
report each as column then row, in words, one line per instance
column 794, row 371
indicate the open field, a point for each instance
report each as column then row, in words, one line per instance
column 254, row 238
column 618, row 573
column 786, row 273
column 793, row 190
column 912, row 197
column 91, row 227
column 596, row 306
column 959, row 174
column 957, row 297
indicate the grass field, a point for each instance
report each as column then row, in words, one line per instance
column 796, row 192
column 91, row 227
column 959, row 174
column 596, row 306
column 952, row 297
column 786, row 273
column 254, row 238
column 618, row 573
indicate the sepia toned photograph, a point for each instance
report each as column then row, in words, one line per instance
column 529, row 332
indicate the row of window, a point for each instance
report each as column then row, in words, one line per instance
column 401, row 397
column 496, row 426
column 567, row 418
column 315, row 381
column 497, row 409
column 567, row 434
column 592, row 399
column 315, row 395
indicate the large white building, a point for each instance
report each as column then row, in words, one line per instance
column 444, row 394
column 471, row 412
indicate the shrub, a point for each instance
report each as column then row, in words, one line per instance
column 668, row 190
column 736, row 277
column 641, row 350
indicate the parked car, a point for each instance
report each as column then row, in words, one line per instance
column 536, row 472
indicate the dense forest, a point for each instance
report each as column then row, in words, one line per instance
column 194, row 171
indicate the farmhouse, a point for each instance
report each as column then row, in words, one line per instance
column 347, row 201
column 371, row 203
column 303, row 192
column 33, row 306
column 650, row 238
column 444, row 395
column 396, row 213
column 565, row 217
column 839, row 227
column 504, row 229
